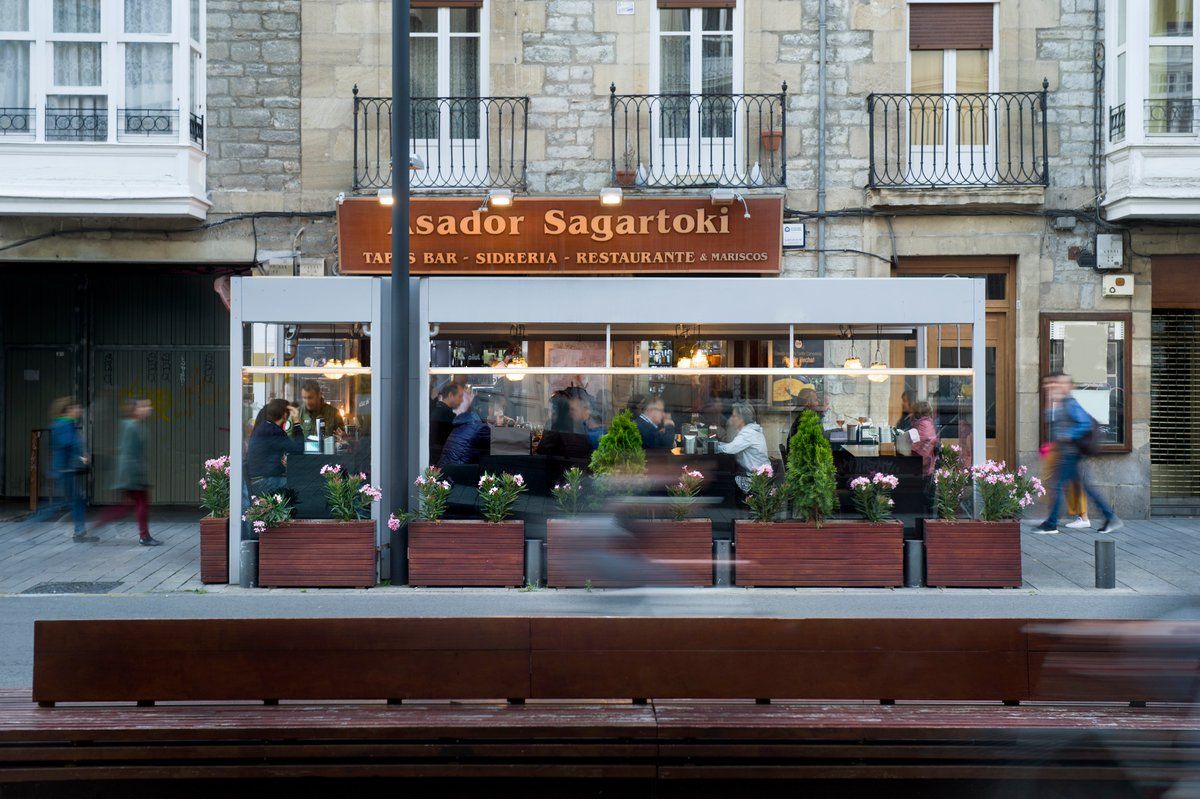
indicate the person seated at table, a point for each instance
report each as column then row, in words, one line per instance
column 269, row 447
column 441, row 417
column 565, row 436
column 906, row 421
column 927, row 447
column 749, row 443
column 809, row 401
column 313, row 407
column 655, row 425
column 470, row 438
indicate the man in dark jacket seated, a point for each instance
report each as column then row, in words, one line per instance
column 266, row 456
column 470, row 438
column 441, row 417
column 655, row 425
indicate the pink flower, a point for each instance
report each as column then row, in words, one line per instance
column 420, row 480
column 203, row 483
column 260, row 526
column 331, row 468
column 859, row 482
column 371, row 491
column 444, row 485
column 493, row 491
column 765, row 469
column 393, row 523
column 519, row 480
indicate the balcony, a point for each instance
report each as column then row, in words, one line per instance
column 1153, row 162
column 462, row 142
column 102, row 161
column 695, row 141
column 990, row 144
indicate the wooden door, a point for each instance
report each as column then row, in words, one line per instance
column 950, row 345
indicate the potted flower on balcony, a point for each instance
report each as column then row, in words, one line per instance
column 771, row 139
column 214, row 528
column 628, row 176
column 466, row 552
column 336, row 552
column 984, row 552
column 816, row 551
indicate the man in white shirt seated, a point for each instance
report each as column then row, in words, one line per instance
column 748, row 444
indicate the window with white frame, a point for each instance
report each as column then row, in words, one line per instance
column 951, row 58
column 696, row 66
column 98, row 70
column 1170, row 105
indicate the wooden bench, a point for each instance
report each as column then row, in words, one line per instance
column 640, row 699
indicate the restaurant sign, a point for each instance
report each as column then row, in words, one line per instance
column 566, row 236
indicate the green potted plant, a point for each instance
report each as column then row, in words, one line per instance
column 214, row 528
column 985, row 552
column 465, row 552
column 336, row 552
column 627, row 176
column 812, row 549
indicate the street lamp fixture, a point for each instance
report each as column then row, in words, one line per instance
column 386, row 197
column 611, row 195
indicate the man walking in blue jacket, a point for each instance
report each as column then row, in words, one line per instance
column 1069, row 425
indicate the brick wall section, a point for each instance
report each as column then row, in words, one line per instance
column 253, row 98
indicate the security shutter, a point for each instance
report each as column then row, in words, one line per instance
column 950, row 26
column 1175, row 412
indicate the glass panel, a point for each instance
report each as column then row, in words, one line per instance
column 997, row 286
column 1121, row 79
column 423, row 20
column 464, row 20
column 1169, row 109
column 148, row 69
column 14, row 74
column 927, row 118
column 195, row 19
column 14, row 15
column 147, row 16
column 464, row 82
column 1103, row 394
column 722, row 422
column 295, row 423
column 674, row 19
column 675, row 67
column 1170, row 17
column 974, row 112
column 717, row 76
column 716, row 19
column 76, row 16
column 1121, row 10
column 194, row 82
column 77, row 63
column 76, row 118
column 424, row 84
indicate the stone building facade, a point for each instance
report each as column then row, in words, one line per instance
column 280, row 144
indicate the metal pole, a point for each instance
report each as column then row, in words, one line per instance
column 401, row 426
column 1106, row 563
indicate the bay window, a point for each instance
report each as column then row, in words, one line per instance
column 90, row 69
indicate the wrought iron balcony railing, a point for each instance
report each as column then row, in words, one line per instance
column 1116, row 123
column 66, row 124
column 1172, row 115
column 462, row 142
column 147, row 123
column 196, row 129
column 690, row 141
column 17, row 121
column 996, row 139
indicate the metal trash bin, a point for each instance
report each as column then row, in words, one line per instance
column 248, row 569
column 723, row 563
column 914, row 564
column 533, row 562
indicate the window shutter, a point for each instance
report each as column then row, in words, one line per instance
column 697, row 3
column 950, row 26
column 445, row 3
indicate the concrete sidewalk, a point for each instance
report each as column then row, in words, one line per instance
column 1154, row 558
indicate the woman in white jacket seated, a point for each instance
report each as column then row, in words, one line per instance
column 748, row 444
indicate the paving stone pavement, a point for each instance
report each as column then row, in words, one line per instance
column 1157, row 557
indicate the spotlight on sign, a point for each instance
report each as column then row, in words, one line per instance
column 385, row 197
column 611, row 195
column 500, row 198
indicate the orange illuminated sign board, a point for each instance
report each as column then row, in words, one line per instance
column 566, row 236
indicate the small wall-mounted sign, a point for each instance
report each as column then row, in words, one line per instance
column 624, row 8
column 33, row 375
column 793, row 235
column 1118, row 285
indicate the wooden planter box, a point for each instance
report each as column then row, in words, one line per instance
column 973, row 554
column 317, row 553
column 581, row 552
column 214, row 550
column 835, row 554
column 466, row 553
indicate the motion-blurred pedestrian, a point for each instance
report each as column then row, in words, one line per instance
column 69, row 464
column 133, row 474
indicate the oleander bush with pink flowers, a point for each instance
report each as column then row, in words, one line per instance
column 1003, row 493
column 433, row 494
column 764, row 496
column 214, row 487
column 684, row 492
column 350, row 495
column 872, row 496
column 498, row 494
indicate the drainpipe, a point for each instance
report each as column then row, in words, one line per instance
column 821, row 61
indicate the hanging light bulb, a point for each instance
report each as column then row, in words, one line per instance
column 877, row 362
column 699, row 359
column 517, row 362
column 684, row 363
column 333, row 363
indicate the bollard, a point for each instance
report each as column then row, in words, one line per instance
column 914, row 564
column 248, row 570
column 723, row 563
column 1106, row 563
column 533, row 561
